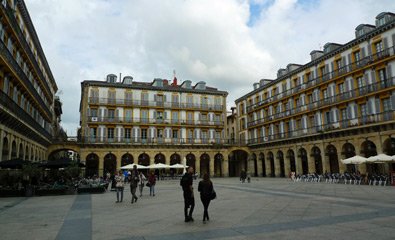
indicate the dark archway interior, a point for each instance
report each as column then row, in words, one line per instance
column 237, row 162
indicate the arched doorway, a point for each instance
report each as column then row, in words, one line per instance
column 280, row 158
column 316, row 155
column 110, row 164
column 331, row 152
column 175, row 159
column 291, row 157
column 144, row 159
column 126, row 159
column 5, row 152
column 262, row 160
column 21, row 151
column 302, row 154
column 91, row 165
column 237, row 162
column 348, row 150
column 254, row 159
column 389, row 149
column 270, row 157
column 218, row 158
column 160, row 158
column 27, row 156
column 13, row 150
column 204, row 164
column 368, row 149
column 191, row 161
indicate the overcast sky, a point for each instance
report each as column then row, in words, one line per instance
column 229, row 44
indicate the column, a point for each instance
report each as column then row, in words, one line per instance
column 287, row 165
column 101, row 163
column 225, row 167
column 1, row 144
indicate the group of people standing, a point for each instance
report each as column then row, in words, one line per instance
column 136, row 179
column 206, row 190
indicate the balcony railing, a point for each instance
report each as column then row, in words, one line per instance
column 145, row 103
column 10, row 13
column 10, row 60
column 129, row 120
column 327, row 76
column 23, row 116
column 344, row 124
column 333, row 100
column 160, row 141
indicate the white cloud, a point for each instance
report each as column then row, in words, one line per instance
column 202, row 40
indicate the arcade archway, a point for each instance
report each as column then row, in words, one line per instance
column 204, row 164
column 218, row 158
column 316, row 155
column 126, row 159
column 237, row 162
column 280, row 158
column 91, row 165
column 110, row 164
column 302, row 155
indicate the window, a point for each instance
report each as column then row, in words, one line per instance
column 383, row 78
column 357, row 57
column 144, row 116
column 175, row 133
column 379, row 46
column 94, row 112
column 189, row 101
column 93, row 133
column 174, row 117
column 144, row 99
column 110, row 133
column 128, row 133
column 111, row 115
column 159, row 133
column 128, row 98
column 128, row 115
column 144, row 133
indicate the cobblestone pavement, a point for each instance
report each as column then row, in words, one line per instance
column 263, row 209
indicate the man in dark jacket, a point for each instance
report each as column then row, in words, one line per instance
column 134, row 180
column 189, row 199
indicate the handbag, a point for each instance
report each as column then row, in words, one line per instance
column 213, row 195
column 148, row 184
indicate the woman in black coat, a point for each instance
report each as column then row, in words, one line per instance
column 205, row 188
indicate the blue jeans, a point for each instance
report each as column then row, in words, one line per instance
column 152, row 190
column 119, row 190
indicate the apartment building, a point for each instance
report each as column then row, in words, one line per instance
column 29, row 111
column 152, row 122
column 338, row 105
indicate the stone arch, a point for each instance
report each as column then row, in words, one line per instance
column 331, row 152
column 389, row 146
column 262, row 160
column 27, row 156
column 255, row 161
column 160, row 158
column 292, row 162
column 348, row 150
column 126, row 159
column 368, row 149
column 6, row 149
column 91, row 165
column 20, row 151
column 144, row 159
column 109, row 164
column 280, row 158
column 175, row 158
column 237, row 162
column 191, row 161
column 316, row 155
column 218, row 158
column 270, row 158
column 302, row 156
column 13, row 150
column 204, row 164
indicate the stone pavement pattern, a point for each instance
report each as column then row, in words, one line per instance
column 263, row 209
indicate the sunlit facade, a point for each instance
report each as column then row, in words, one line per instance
column 29, row 112
column 338, row 105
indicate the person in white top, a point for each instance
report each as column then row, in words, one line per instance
column 119, row 181
column 142, row 182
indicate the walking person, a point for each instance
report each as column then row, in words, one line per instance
column 141, row 183
column 205, row 188
column 189, row 200
column 134, row 180
column 119, row 181
column 152, row 182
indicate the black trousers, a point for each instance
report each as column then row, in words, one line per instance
column 189, row 201
column 206, row 202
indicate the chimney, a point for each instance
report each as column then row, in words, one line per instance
column 174, row 79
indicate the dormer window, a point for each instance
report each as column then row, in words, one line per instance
column 381, row 21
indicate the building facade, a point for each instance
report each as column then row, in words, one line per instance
column 338, row 105
column 152, row 122
column 29, row 112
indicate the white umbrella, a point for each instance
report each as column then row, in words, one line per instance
column 158, row 166
column 177, row 165
column 354, row 160
column 381, row 158
column 130, row 166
